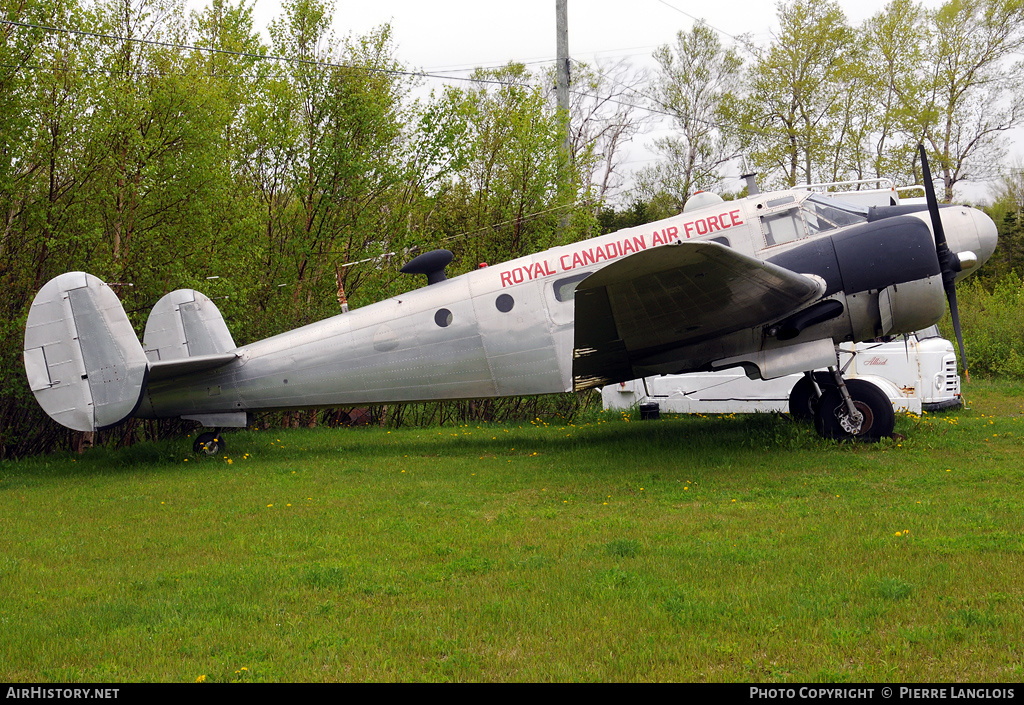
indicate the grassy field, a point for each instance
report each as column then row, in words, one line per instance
column 688, row 549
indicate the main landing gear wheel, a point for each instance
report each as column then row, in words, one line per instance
column 209, row 444
column 834, row 420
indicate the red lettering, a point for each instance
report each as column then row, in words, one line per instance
column 713, row 223
column 612, row 250
column 627, row 247
column 673, row 232
column 547, row 269
column 703, row 223
column 735, row 217
column 506, row 279
column 688, row 227
column 639, row 243
column 577, row 260
column 562, row 264
column 657, row 239
column 599, row 255
column 517, row 275
column 588, row 254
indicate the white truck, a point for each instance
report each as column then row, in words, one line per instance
column 916, row 374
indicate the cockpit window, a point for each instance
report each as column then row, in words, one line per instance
column 782, row 227
column 821, row 214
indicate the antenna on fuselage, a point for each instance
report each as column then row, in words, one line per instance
column 751, row 179
column 430, row 263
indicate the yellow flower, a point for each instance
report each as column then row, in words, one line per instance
column 201, row 679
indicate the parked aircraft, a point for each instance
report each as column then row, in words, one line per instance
column 772, row 282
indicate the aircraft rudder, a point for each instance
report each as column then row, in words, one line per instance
column 83, row 361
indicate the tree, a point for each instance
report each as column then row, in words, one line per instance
column 505, row 202
column 893, row 40
column 791, row 118
column 697, row 80
column 604, row 117
column 971, row 92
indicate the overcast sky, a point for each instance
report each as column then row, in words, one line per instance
column 457, row 35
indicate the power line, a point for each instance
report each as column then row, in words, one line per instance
column 752, row 47
column 259, row 57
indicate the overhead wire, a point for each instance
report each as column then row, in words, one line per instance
column 251, row 55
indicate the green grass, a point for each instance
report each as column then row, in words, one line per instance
column 693, row 549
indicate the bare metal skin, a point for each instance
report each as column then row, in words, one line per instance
column 772, row 282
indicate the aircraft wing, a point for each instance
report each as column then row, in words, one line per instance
column 675, row 295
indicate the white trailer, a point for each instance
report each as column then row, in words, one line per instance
column 916, row 374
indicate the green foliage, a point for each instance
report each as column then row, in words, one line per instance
column 993, row 324
column 697, row 83
column 275, row 187
column 791, row 117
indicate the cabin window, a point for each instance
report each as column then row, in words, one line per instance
column 565, row 289
column 443, row 317
column 504, row 303
column 721, row 241
column 779, row 202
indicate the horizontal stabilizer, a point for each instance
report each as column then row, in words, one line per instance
column 184, row 324
column 168, row 369
column 82, row 357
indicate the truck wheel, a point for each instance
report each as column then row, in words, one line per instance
column 831, row 420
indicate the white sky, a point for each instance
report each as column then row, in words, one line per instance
column 458, row 35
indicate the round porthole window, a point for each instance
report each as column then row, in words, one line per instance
column 504, row 303
column 443, row 318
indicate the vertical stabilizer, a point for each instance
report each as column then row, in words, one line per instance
column 185, row 323
column 83, row 360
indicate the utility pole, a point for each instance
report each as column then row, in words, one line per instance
column 562, row 96
column 562, row 64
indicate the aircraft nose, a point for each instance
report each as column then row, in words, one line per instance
column 987, row 235
column 969, row 230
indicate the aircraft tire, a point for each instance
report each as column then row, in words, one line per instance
column 879, row 417
column 208, row 444
column 803, row 402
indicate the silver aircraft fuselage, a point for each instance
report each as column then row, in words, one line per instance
column 508, row 329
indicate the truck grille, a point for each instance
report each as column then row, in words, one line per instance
column 952, row 379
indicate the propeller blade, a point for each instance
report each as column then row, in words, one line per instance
column 933, row 206
column 955, row 314
column 949, row 263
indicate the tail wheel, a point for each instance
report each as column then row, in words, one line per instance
column 209, row 444
column 833, row 419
